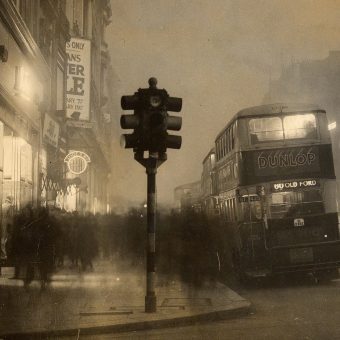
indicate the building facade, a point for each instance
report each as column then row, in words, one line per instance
column 55, row 122
column 33, row 35
column 88, row 117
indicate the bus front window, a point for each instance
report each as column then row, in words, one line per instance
column 296, row 203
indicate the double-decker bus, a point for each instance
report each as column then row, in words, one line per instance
column 277, row 192
column 187, row 197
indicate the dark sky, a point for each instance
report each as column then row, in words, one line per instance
column 218, row 56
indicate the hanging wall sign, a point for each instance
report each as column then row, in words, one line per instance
column 77, row 162
column 78, row 78
column 51, row 131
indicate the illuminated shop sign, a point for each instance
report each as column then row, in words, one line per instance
column 294, row 160
column 291, row 185
column 77, row 162
column 78, row 78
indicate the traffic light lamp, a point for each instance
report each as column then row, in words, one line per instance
column 160, row 121
column 132, row 121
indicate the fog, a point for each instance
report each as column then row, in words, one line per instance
column 218, row 56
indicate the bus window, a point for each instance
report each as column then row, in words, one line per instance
column 296, row 203
column 233, row 136
column 265, row 129
column 250, row 211
column 234, row 209
column 235, row 170
column 230, row 138
column 299, row 126
column 228, row 209
column 219, row 149
column 231, row 217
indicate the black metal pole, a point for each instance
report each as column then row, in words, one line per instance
column 150, row 298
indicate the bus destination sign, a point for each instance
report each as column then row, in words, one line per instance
column 293, row 185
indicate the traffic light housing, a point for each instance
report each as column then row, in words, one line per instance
column 151, row 120
column 132, row 121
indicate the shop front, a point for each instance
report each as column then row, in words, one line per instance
column 18, row 175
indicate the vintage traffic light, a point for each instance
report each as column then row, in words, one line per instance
column 150, row 123
column 151, row 120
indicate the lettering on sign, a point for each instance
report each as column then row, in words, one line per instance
column 279, row 161
column 299, row 222
column 294, row 185
column 78, row 78
column 77, row 162
column 51, row 131
column 284, row 160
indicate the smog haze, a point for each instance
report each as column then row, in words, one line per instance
column 218, row 56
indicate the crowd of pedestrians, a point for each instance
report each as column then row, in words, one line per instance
column 41, row 240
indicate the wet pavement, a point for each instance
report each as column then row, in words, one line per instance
column 107, row 301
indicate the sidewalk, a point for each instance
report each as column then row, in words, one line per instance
column 98, row 302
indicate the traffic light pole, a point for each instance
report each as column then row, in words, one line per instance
column 150, row 298
column 151, row 164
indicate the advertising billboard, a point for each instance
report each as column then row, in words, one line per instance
column 78, row 78
column 303, row 162
column 293, row 160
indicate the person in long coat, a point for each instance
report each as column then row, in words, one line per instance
column 47, row 235
column 24, row 245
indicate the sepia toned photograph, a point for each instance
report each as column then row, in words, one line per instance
column 169, row 169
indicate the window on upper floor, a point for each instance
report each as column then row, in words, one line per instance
column 75, row 15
